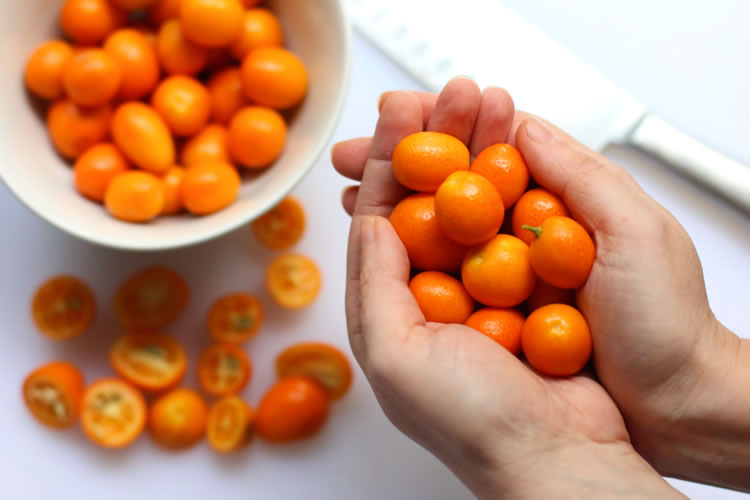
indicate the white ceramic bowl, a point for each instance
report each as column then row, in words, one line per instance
column 316, row 30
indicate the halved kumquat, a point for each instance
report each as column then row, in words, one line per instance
column 230, row 424
column 153, row 362
column 323, row 363
column 53, row 394
column 63, row 307
column 224, row 370
column 150, row 299
column 113, row 413
column 293, row 281
column 281, row 227
column 235, row 318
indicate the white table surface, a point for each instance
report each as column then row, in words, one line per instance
column 358, row 455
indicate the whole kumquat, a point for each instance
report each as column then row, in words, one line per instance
column 53, row 394
column 533, row 208
column 136, row 57
column 499, row 272
column 441, row 297
column 212, row 23
column 562, row 252
column 44, row 69
column 74, row 129
column 172, row 187
column 423, row 160
column 545, row 294
column 63, row 307
column 260, row 28
column 295, row 408
column 141, row 133
column 209, row 187
column 293, row 281
column 504, row 326
column 281, row 227
column 177, row 420
column 236, row 318
column 177, row 54
column 88, row 22
column 257, row 136
column 92, row 78
column 468, row 208
column 323, row 363
column 556, row 340
column 230, row 424
column 183, row 103
column 135, row 197
column 227, row 96
column 96, row 169
column 274, row 77
column 427, row 246
column 210, row 145
column 504, row 166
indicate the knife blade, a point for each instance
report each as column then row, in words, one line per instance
column 491, row 44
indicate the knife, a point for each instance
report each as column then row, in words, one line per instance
column 436, row 40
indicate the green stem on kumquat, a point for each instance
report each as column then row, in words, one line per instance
column 536, row 230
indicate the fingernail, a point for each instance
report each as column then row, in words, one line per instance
column 538, row 132
column 381, row 99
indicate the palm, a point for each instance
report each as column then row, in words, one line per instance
column 435, row 367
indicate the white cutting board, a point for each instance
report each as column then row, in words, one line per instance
column 359, row 455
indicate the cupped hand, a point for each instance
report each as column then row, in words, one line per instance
column 656, row 340
column 478, row 408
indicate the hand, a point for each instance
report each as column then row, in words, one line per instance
column 496, row 423
column 677, row 375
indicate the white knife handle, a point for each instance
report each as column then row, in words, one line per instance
column 723, row 175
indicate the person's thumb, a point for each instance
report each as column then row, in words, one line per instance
column 380, row 306
column 597, row 192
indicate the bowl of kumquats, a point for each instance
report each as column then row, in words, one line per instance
column 155, row 124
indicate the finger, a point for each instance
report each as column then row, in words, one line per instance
column 426, row 99
column 349, row 157
column 456, row 109
column 379, row 192
column 598, row 193
column 380, row 306
column 349, row 198
column 494, row 119
column 518, row 118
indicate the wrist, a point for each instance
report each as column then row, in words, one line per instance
column 707, row 437
column 577, row 470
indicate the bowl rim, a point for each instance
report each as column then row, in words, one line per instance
column 220, row 229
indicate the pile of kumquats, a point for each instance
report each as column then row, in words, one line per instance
column 159, row 103
column 150, row 365
column 533, row 263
